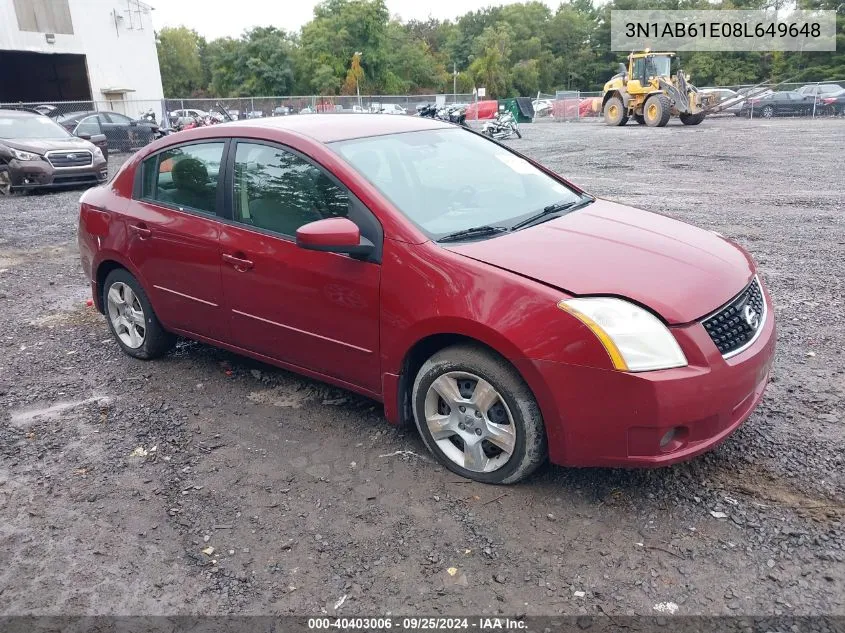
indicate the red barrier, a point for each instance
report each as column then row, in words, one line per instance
column 482, row 110
column 576, row 108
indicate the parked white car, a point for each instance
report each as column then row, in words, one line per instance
column 725, row 95
column 387, row 108
column 542, row 107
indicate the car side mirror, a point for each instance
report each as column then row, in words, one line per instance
column 86, row 137
column 334, row 235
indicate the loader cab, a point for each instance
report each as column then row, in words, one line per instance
column 645, row 69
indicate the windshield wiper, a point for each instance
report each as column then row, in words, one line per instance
column 475, row 231
column 550, row 210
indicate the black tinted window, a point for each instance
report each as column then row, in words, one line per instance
column 279, row 191
column 184, row 176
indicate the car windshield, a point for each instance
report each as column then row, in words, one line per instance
column 451, row 180
column 39, row 127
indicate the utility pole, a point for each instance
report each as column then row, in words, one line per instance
column 357, row 90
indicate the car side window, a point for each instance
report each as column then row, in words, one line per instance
column 278, row 191
column 88, row 125
column 117, row 118
column 185, row 176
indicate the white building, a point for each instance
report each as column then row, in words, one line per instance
column 78, row 50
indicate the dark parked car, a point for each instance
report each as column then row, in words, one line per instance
column 123, row 134
column 819, row 90
column 788, row 103
column 37, row 153
column 509, row 314
column 832, row 103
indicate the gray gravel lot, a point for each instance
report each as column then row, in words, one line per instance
column 307, row 495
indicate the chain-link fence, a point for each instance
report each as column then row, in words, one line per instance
column 126, row 122
column 260, row 107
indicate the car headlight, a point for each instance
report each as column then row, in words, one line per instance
column 98, row 153
column 634, row 338
column 24, row 155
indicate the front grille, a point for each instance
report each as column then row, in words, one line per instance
column 735, row 326
column 75, row 158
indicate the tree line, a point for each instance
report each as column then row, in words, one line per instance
column 517, row 49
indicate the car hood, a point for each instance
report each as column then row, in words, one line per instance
column 679, row 271
column 40, row 146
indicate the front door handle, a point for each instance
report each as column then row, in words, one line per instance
column 240, row 263
column 141, row 230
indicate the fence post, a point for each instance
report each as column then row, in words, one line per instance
column 815, row 98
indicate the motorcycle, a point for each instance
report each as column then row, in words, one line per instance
column 428, row 110
column 504, row 126
column 456, row 114
column 149, row 115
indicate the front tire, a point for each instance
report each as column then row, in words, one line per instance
column 767, row 112
column 132, row 321
column 477, row 416
column 614, row 112
column 692, row 119
column 657, row 110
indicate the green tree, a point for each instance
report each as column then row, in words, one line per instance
column 490, row 60
column 325, row 82
column 179, row 61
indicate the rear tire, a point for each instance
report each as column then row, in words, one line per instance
column 692, row 119
column 499, row 436
column 657, row 110
column 132, row 321
column 614, row 112
column 767, row 112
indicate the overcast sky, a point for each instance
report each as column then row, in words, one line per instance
column 218, row 18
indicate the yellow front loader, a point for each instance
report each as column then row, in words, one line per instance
column 647, row 91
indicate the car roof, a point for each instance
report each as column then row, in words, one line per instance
column 76, row 115
column 340, row 126
column 19, row 113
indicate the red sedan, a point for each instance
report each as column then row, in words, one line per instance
column 510, row 315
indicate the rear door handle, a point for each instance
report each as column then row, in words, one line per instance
column 141, row 230
column 240, row 263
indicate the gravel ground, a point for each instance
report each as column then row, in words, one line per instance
column 116, row 474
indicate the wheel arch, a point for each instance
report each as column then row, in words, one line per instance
column 622, row 94
column 426, row 346
column 105, row 265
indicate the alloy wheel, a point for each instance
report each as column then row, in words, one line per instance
column 126, row 315
column 470, row 422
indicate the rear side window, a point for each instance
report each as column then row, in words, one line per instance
column 185, row 177
column 88, row 125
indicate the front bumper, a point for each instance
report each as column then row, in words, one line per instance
column 601, row 417
column 37, row 174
